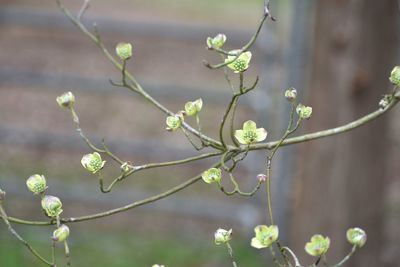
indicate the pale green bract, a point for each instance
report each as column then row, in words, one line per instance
column 356, row 236
column 395, row 76
column 221, row 236
column 93, row 162
column 52, row 206
column 194, row 107
column 239, row 64
column 36, row 183
column 265, row 236
column 304, row 112
column 250, row 133
column 124, row 50
column 212, row 175
column 318, row 245
column 217, row 42
column 61, row 233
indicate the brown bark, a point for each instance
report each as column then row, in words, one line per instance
column 340, row 181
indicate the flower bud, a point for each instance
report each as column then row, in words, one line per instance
column 304, row 112
column 261, row 177
column 212, row 175
column 291, row 94
column 395, row 76
column 192, row 108
column 217, row 42
column 222, row 236
column 36, row 184
column 356, row 236
column 174, row 122
column 239, row 64
column 318, row 245
column 265, row 236
column 92, row 162
column 126, row 167
column 2, row 195
column 124, row 50
column 61, row 233
column 52, row 206
column 66, row 100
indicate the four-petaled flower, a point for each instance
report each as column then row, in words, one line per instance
column 174, row 122
column 241, row 63
column 92, row 162
column 318, row 245
column 250, row 134
column 36, row 183
column 265, row 236
column 304, row 112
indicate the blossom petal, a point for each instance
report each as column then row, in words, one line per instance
column 261, row 134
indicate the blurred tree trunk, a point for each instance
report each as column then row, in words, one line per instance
column 340, row 181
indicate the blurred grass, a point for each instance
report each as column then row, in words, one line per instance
column 129, row 249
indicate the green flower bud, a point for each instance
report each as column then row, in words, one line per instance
column 241, row 63
column 291, row 94
column 126, row 167
column 66, row 100
column 318, row 245
column 395, row 76
column 216, row 42
column 304, row 112
column 356, row 236
column 265, row 236
column 174, row 122
column 250, row 133
column 212, row 175
column 61, row 233
column 52, row 206
column 92, row 162
column 222, row 236
column 36, row 184
column 2, row 195
column 124, row 50
column 192, row 108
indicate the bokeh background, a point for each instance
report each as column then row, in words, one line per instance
column 338, row 54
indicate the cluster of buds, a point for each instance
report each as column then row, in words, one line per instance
column 92, row 162
column 222, row 236
column 212, row 175
column 61, row 233
column 36, row 184
column 66, row 100
column 264, row 236
column 250, row 133
column 318, row 245
column 124, row 51
column 217, row 42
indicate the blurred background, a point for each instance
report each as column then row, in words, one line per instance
column 338, row 54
